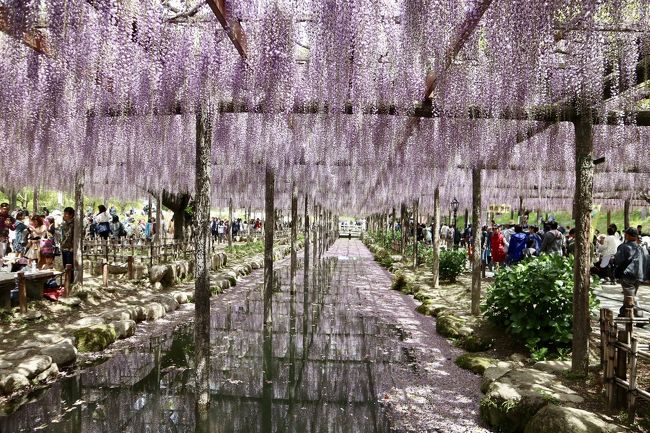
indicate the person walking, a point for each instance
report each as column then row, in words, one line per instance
column 67, row 238
column 498, row 244
column 102, row 221
column 607, row 252
column 553, row 240
column 517, row 245
column 630, row 268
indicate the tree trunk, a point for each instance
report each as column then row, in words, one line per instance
column 177, row 203
column 583, row 198
column 521, row 210
column 609, row 217
column 201, row 267
column 78, row 230
column 626, row 213
column 476, row 236
column 269, row 224
column 466, row 221
column 435, row 237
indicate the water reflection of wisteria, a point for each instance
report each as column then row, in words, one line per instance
column 317, row 367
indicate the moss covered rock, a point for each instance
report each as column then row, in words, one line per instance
column 476, row 343
column 95, row 338
column 475, row 363
column 449, row 325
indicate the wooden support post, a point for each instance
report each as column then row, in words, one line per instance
column 158, row 226
column 521, row 211
column 269, row 210
column 583, row 200
column 435, row 236
column 22, row 292
column 130, row 267
column 610, row 358
column 202, row 265
column 392, row 226
column 315, row 227
column 77, row 231
column 416, row 215
column 306, row 228
column 294, row 233
column 105, row 273
column 466, row 221
column 36, row 200
column 620, row 399
column 609, row 217
column 230, row 222
column 402, row 223
column 626, row 213
column 631, row 402
column 67, row 280
column 476, row 247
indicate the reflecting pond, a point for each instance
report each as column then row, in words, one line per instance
column 316, row 368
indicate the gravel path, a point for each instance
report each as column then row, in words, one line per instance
column 429, row 393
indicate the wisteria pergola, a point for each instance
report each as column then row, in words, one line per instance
column 357, row 105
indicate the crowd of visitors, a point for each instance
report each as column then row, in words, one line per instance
column 35, row 240
column 617, row 257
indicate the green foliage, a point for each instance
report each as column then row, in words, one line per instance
column 540, row 354
column 452, row 264
column 244, row 250
column 533, row 300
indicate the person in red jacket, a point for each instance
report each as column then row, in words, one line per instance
column 498, row 246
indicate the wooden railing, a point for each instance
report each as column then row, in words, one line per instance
column 620, row 351
column 151, row 252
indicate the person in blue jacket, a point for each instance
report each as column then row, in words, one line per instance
column 517, row 245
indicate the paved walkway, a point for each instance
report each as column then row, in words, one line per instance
column 426, row 391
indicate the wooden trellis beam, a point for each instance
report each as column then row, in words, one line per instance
column 32, row 38
column 231, row 25
column 462, row 35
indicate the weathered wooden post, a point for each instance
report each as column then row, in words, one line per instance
column 584, row 178
column 202, row 266
column 67, row 280
column 435, row 237
column 158, row 226
column 402, row 224
column 609, row 217
column 129, row 267
column 416, row 215
column 22, row 292
column 306, row 228
column 294, row 233
column 105, row 273
column 315, row 228
column 269, row 209
column 230, row 222
column 77, row 232
column 626, row 213
column 476, row 235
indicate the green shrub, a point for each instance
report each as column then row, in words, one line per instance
column 452, row 264
column 533, row 300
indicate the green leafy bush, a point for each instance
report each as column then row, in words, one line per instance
column 452, row 264
column 533, row 300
